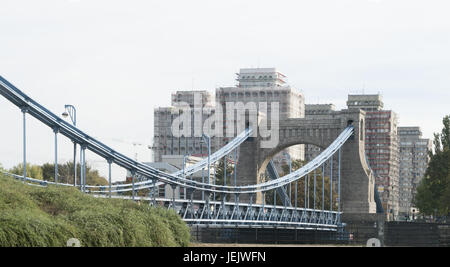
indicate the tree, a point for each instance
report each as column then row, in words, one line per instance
column 66, row 175
column 220, row 171
column 33, row 171
column 433, row 193
column 46, row 172
column 140, row 193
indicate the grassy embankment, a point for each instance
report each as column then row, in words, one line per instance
column 35, row 217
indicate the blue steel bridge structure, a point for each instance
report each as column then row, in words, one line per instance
column 229, row 211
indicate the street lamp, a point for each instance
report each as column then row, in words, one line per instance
column 71, row 111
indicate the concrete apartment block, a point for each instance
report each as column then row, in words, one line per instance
column 165, row 143
column 381, row 147
column 413, row 164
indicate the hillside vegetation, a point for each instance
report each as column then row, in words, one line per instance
column 35, row 217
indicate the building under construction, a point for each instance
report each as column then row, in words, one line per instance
column 255, row 85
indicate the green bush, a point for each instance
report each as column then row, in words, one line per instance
column 33, row 216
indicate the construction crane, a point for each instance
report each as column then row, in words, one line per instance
column 135, row 144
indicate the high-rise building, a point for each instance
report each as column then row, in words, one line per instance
column 413, row 164
column 255, row 86
column 265, row 85
column 165, row 142
column 382, row 148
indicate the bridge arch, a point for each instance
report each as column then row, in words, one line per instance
column 357, row 181
column 270, row 154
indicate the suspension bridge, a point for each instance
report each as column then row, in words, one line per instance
column 242, row 204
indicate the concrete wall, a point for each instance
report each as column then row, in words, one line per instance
column 263, row 236
column 359, row 229
column 362, row 227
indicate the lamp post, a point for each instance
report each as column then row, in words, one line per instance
column 72, row 112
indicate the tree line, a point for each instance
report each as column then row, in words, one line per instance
column 46, row 172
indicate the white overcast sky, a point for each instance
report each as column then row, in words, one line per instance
column 118, row 60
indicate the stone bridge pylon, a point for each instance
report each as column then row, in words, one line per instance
column 357, row 180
